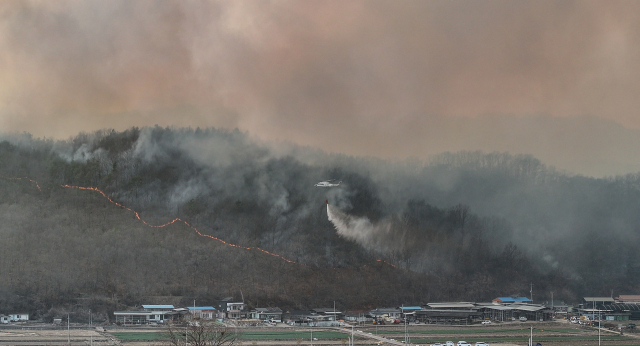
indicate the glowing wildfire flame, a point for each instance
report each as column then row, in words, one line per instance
column 178, row 220
column 25, row 178
column 182, row 221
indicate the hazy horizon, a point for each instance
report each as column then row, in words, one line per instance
column 557, row 80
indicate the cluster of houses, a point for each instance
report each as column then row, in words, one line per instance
column 226, row 310
column 501, row 309
column 621, row 308
column 150, row 314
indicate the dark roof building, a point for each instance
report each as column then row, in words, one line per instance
column 628, row 299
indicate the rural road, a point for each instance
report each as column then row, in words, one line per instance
column 370, row 336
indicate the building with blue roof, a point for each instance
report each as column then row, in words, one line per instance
column 508, row 300
column 410, row 308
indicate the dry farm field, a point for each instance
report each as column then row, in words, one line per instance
column 505, row 334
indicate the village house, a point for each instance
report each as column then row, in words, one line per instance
column 628, row 299
column 21, row 317
column 331, row 313
column 510, row 300
column 148, row 314
column 310, row 318
column 202, row 312
column 267, row 314
column 623, row 308
column 448, row 312
column 388, row 314
column 227, row 308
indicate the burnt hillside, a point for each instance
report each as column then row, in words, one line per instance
column 464, row 226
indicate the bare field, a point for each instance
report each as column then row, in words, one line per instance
column 517, row 333
column 507, row 334
column 30, row 336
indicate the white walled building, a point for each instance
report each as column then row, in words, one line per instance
column 18, row 317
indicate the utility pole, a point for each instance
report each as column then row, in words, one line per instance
column 352, row 339
column 531, row 292
column 405, row 329
column 599, row 326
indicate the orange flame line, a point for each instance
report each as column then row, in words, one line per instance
column 177, row 220
column 31, row 180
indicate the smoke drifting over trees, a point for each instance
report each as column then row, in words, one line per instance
column 466, row 225
column 368, row 77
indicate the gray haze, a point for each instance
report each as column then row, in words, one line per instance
column 558, row 80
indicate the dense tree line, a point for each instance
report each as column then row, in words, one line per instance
column 464, row 226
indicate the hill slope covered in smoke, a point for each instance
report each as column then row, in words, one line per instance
column 466, row 225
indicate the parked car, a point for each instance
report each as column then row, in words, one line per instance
column 449, row 343
column 480, row 343
column 463, row 343
column 522, row 319
column 486, row 322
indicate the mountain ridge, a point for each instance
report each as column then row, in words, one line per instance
column 467, row 225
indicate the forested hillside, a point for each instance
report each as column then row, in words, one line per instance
column 464, row 226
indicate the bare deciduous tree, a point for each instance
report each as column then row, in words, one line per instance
column 201, row 334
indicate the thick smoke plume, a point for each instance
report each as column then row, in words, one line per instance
column 363, row 77
column 359, row 229
column 423, row 216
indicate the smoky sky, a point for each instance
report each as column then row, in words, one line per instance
column 382, row 78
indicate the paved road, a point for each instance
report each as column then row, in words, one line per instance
column 370, row 336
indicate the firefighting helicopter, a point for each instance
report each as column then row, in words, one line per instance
column 328, row 183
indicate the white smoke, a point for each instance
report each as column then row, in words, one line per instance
column 184, row 191
column 85, row 152
column 360, row 229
